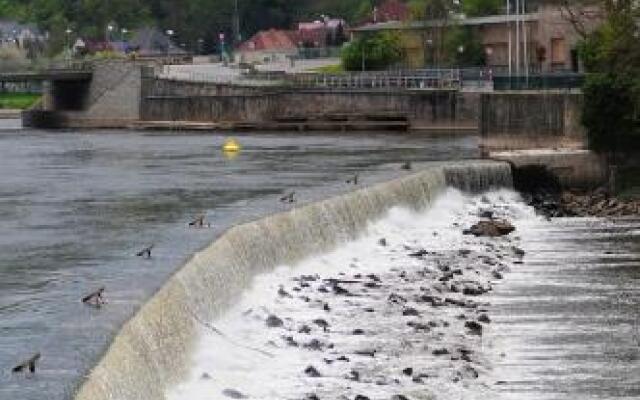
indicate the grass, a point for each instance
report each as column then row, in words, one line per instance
column 18, row 101
column 329, row 69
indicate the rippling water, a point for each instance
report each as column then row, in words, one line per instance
column 568, row 322
column 75, row 207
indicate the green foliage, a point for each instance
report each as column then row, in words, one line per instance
column 376, row 52
column 17, row 101
column 463, row 47
column 611, row 54
column 190, row 19
column 477, row 8
column 610, row 113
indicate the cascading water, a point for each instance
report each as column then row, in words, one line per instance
column 152, row 351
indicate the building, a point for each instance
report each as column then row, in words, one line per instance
column 268, row 46
column 310, row 40
column 542, row 40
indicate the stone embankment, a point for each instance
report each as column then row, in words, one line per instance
column 584, row 204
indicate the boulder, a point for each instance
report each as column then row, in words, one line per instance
column 490, row 229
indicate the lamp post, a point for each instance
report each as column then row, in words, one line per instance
column 170, row 33
column 110, row 29
column 67, row 51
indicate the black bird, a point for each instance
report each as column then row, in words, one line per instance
column 146, row 252
column 354, row 180
column 407, row 166
column 289, row 198
column 198, row 222
column 95, row 299
column 30, row 365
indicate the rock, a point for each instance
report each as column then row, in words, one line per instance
column 410, row 312
column 304, row 329
column 383, row 242
column 518, row 251
column 484, row 318
column 486, row 214
column 354, row 375
column 283, row 293
column 326, row 307
column 474, row 327
column 419, row 254
column 396, row 299
column 468, row 372
column 361, row 397
column 343, row 358
column 366, row 352
column 312, row 372
column 233, row 394
column 473, row 291
column 205, row 376
column 440, row 352
column 399, row 397
column 496, row 275
column 312, row 396
column 492, row 228
column 358, row 332
column 418, row 326
column 407, row 371
column 315, row 345
column 340, row 291
column 321, row 323
column 290, row 341
column 274, row 322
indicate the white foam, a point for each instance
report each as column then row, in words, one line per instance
column 233, row 362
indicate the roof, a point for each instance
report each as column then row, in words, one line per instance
column 489, row 20
column 271, row 39
column 151, row 41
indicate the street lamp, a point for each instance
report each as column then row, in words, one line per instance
column 67, row 50
column 170, row 33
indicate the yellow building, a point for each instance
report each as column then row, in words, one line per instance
column 544, row 40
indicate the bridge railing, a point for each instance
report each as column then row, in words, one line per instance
column 449, row 79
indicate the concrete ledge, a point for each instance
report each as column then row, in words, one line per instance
column 10, row 114
column 579, row 169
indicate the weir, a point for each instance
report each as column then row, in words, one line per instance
column 153, row 350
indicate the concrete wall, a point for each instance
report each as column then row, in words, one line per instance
column 575, row 169
column 188, row 101
column 531, row 119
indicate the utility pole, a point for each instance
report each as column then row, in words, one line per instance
column 236, row 22
column 509, row 29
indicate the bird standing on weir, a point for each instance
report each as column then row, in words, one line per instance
column 29, row 365
column 95, row 299
column 289, row 198
column 146, row 252
column 198, row 222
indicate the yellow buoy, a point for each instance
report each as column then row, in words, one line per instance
column 231, row 146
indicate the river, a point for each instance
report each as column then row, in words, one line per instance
column 75, row 207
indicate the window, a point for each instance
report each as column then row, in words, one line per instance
column 558, row 53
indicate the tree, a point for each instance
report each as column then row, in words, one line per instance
column 611, row 54
column 376, row 52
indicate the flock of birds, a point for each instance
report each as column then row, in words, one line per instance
column 96, row 299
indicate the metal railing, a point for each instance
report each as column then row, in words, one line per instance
column 449, row 79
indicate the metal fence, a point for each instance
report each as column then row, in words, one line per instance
column 449, row 79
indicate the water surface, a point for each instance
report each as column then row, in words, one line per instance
column 75, row 207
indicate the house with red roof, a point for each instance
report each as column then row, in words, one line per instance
column 269, row 46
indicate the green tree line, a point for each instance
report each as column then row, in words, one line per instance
column 190, row 19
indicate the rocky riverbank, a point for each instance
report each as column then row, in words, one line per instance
column 598, row 203
column 400, row 314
